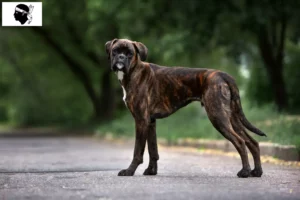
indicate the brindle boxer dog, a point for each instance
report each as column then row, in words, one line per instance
column 153, row 92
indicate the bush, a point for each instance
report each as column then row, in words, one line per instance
column 192, row 122
column 3, row 114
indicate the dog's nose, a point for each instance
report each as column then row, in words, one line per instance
column 121, row 57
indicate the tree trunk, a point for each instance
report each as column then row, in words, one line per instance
column 274, row 64
column 106, row 105
column 278, row 86
column 76, row 69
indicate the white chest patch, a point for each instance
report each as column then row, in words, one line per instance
column 120, row 75
column 124, row 95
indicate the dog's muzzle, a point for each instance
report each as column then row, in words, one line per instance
column 119, row 63
column 118, row 67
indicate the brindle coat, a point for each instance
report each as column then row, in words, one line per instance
column 152, row 92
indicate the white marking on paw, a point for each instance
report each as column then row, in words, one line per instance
column 120, row 75
column 124, row 95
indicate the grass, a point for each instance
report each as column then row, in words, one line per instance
column 192, row 122
column 5, row 126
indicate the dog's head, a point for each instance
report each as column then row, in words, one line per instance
column 125, row 54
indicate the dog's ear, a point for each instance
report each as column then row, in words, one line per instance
column 141, row 49
column 108, row 46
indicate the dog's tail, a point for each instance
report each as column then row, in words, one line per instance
column 236, row 100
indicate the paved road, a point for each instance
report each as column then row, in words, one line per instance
column 82, row 168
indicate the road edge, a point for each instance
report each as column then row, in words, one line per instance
column 278, row 151
column 282, row 152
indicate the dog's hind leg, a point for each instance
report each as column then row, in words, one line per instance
column 152, row 149
column 255, row 151
column 219, row 113
column 252, row 145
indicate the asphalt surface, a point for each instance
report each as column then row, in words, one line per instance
column 85, row 168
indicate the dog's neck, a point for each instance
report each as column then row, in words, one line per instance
column 132, row 78
column 135, row 74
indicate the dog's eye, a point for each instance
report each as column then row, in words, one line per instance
column 114, row 52
column 129, row 54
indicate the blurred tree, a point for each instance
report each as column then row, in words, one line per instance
column 68, row 50
column 238, row 24
column 65, row 36
column 292, row 75
column 66, row 30
column 269, row 22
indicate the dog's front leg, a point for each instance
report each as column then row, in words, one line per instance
column 152, row 149
column 141, row 134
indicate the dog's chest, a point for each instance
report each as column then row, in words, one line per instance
column 120, row 75
column 124, row 95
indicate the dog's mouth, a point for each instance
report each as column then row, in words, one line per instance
column 118, row 67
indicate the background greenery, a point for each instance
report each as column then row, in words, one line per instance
column 58, row 74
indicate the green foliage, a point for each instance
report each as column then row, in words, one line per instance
column 57, row 73
column 57, row 107
column 187, row 122
column 292, row 76
column 3, row 114
column 38, row 90
column 259, row 90
column 192, row 122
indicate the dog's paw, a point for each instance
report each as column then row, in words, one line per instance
column 150, row 171
column 256, row 172
column 126, row 172
column 244, row 173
